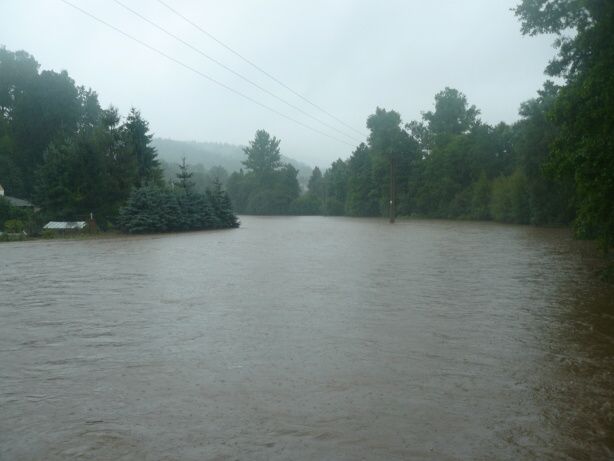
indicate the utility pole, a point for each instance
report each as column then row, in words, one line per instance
column 392, row 193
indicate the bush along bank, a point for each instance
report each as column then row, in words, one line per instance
column 152, row 209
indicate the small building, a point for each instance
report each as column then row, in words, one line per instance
column 63, row 226
column 18, row 202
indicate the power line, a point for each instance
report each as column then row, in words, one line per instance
column 211, row 79
column 255, row 66
column 229, row 69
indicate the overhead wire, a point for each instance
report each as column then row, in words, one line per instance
column 229, row 69
column 205, row 76
column 257, row 67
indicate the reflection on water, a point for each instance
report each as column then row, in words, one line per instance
column 307, row 338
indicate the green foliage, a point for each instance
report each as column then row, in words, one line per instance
column 209, row 160
column 93, row 172
column 14, row 226
column 29, row 219
column 460, row 156
column 481, row 196
column 269, row 187
column 582, row 112
column 184, row 178
column 335, row 180
column 138, row 140
column 584, row 149
column 393, row 154
column 61, row 150
column 452, row 115
column 607, row 273
column 12, row 237
column 333, row 207
column 267, row 202
column 240, row 186
column 363, row 188
column 307, row 204
column 151, row 209
column 450, row 165
column 316, row 184
column 262, row 153
column 386, row 133
column 221, row 206
column 510, row 199
column 48, row 234
column 201, row 179
column 551, row 196
column 147, row 211
column 6, row 210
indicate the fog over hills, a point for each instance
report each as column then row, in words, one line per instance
column 210, row 154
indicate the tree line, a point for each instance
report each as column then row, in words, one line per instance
column 450, row 165
column 555, row 165
column 447, row 165
column 63, row 152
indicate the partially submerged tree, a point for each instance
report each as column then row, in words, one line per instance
column 583, row 111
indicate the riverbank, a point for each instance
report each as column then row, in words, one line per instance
column 7, row 238
column 99, row 235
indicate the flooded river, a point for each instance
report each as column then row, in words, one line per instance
column 307, row 338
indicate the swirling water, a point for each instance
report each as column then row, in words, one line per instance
column 307, row 338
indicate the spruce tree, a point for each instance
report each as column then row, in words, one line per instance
column 183, row 178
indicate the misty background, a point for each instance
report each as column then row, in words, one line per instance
column 345, row 56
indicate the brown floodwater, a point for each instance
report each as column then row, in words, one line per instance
column 308, row 338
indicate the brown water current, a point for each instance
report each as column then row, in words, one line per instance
column 307, row 338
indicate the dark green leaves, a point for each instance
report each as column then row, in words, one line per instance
column 151, row 209
column 268, row 187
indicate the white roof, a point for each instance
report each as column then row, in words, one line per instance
column 65, row 225
column 18, row 201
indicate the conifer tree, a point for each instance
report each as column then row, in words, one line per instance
column 183, row 178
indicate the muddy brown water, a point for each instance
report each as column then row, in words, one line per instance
column 307, row 338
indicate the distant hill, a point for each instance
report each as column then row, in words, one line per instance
column 210, row 154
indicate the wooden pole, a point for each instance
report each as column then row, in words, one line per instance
column 392, row 193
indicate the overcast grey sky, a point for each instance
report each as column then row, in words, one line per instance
column 347, row 56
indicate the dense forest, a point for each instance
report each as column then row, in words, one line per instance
column 72, row 159
column 449, row 165
column 555, row 165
